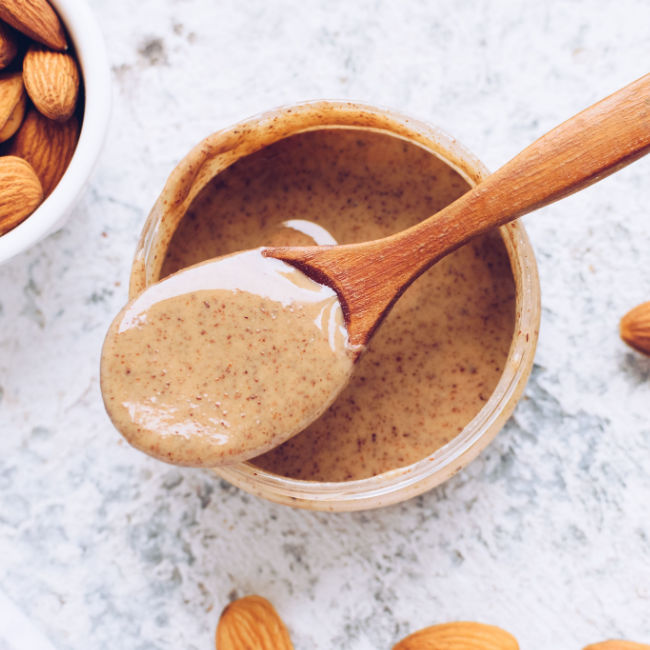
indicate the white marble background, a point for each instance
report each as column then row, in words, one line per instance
column 547, row 534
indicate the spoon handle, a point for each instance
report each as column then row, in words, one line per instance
column 584, row 149
column 369, row 277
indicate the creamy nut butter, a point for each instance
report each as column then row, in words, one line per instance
column 439, row 354
column 224, row 360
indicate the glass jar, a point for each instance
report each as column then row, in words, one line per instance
column 222, row 149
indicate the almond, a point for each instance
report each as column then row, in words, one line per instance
column 12, row 103
column 8, row 45
column 459, row 636
column 252, row 623
column 47, row 145
column 15, row 119
column 635, row 328
column 36, row 19
column 615, row 644
column 21, row 192
column 52, row 82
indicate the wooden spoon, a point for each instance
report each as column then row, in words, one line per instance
column 369, row 277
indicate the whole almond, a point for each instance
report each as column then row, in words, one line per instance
column 12, row 103
column 615, row 644
column 36, row 19
column 252, row 623
column 459, row 636
column 21, row 192
column 635, row 328
column 8, row 45
column 15, row 119
column 52, row 82
column 47, row 145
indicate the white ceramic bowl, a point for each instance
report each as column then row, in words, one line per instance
column 88, row 41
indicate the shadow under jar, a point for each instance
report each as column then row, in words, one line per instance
column 445, row 369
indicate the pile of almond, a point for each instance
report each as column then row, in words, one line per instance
column 40, row 108
column 251, row 623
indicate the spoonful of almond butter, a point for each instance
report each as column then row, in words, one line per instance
column 224, row 360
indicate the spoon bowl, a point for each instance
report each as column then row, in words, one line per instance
column 224, row 360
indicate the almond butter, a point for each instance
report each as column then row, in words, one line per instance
column 635, row 328
column 36, row 19
column 615, row 644
column 52, row 82
column 12, row 103
column 47, row 145
column 8, row 45
column 459, row 636
column 21, row 192
column 252, row 623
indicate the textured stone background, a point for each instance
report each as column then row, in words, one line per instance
column 547, row 534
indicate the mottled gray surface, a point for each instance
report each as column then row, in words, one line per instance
column 547, row 534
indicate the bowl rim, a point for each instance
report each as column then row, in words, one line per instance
column 87, row 38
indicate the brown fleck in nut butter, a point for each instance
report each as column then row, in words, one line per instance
column 440, row 352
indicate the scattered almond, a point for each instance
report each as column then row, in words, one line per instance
column 615, row 644
column 8, row 45
column 21, row 192
column 47, row 145
column 459, row 636
column 12, row 103
column 36, row 19
column 52, row 82
column 251, row 623
column 635, row 328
